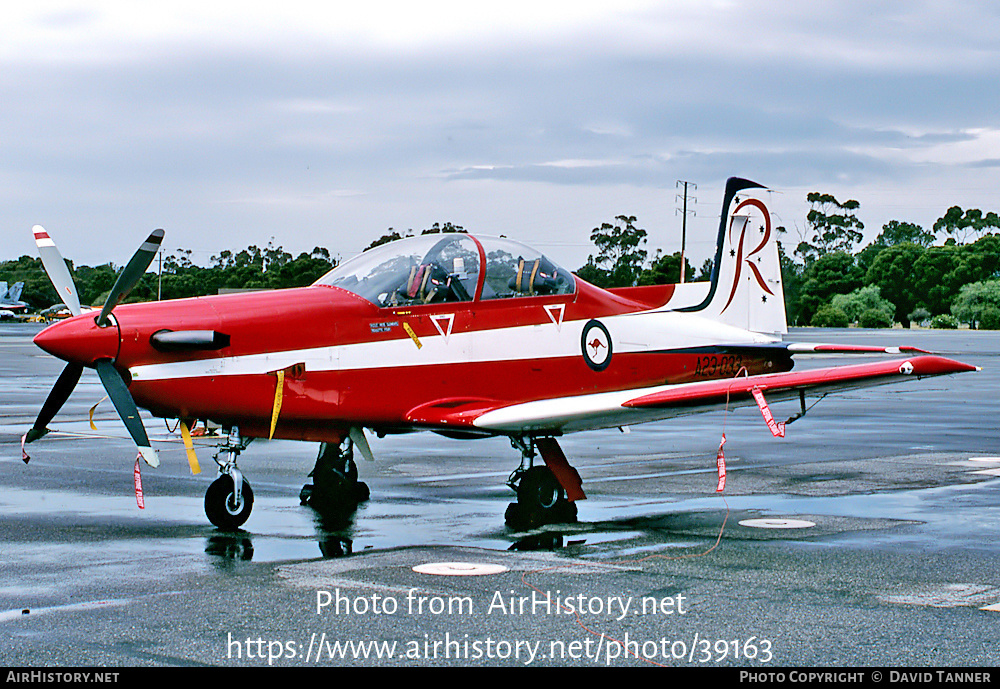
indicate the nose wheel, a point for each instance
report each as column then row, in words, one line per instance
column 229, row 500
column 226, row 507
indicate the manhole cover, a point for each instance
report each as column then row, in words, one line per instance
column 459, row 569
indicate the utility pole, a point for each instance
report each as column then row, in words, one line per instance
column 684, row 213
column 159, row 277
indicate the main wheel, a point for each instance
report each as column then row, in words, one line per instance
column 335, row 481
column 539, row 489
column 540, row 500
column 221, row 506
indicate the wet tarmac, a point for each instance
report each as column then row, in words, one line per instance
column 889, row 499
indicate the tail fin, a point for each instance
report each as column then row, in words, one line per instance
column 746, row 277
column 3, row 290
column 15, row 291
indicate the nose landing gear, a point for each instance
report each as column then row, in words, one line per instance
column 229, row 499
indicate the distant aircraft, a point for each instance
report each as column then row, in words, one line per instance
column 10, row 299
column 469, row 337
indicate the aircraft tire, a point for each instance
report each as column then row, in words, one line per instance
column 539, row 490
column 333, row 490
column 520, row 519
column 218, row 504
column 361, row 491
column 540, row 500
column 306, row 493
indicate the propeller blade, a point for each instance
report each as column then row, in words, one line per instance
column 56, row 399
column 361, row 442
column 133, row 272
column 55, row 267
column 122, row 399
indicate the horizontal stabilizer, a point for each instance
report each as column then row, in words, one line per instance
column 811, row 348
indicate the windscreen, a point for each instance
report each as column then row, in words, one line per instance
column 428, row 269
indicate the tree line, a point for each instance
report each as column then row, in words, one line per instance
column 269, row 267
column 902, row 276
column 944, row 276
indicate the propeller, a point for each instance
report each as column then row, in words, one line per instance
column 133, row 272
column 122, row 399
column 57, row 398
column 116, row 388
column 55, row 268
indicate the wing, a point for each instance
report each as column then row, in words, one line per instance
column 627, row 407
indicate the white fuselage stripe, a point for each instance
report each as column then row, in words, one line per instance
column 629, row 333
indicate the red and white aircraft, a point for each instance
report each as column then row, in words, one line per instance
column 466, row 336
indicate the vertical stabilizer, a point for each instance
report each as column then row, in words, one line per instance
column 746, row 287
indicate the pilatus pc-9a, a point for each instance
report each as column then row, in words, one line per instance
column 462, row 335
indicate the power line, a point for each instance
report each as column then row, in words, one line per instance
column 684, row 216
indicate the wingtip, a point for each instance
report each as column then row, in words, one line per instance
column 938, row 365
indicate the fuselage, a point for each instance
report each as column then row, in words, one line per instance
column 349, row 362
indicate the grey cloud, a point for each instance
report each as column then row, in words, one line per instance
column 248, row 141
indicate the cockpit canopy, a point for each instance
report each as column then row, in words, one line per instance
column 436, row 268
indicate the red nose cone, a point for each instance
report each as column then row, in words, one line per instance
column 79, row 339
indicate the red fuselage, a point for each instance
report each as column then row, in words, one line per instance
column 350, row 363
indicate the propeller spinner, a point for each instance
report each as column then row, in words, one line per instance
column 84, row 341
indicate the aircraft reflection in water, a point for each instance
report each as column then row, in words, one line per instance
column 334, row 521
column 465, row 336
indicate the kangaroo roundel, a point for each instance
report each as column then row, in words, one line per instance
column 596, row 345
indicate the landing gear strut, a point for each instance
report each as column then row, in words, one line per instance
column 335, row 478
column 229, row 499
column 541, row 498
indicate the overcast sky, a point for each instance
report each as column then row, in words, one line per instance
column 326, row 123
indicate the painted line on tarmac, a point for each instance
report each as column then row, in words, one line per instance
column 27, row 613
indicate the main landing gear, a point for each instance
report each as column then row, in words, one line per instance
column 546, row 494
column 335, row 479
column 229, row 499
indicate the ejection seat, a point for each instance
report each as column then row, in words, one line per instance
column 534, row 277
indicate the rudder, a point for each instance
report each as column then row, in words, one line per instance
column 746, row 289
